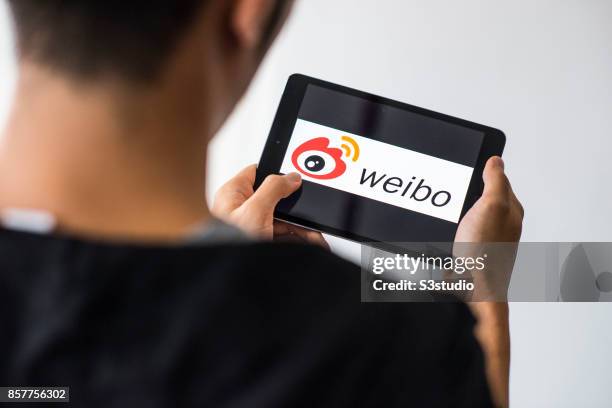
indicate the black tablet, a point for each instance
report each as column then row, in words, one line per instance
column 375, row 170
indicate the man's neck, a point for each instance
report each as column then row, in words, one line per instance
column 106, row 163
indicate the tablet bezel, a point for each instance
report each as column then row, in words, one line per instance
column 284, row 123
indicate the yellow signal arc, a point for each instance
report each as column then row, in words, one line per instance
column 347, row 149
column 351, row 147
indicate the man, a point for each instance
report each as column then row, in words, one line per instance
column 116, row 279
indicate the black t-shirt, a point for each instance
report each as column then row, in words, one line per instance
column 249, row 325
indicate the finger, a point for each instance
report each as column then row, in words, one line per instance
column 495, row 180
column 284, row 233
column 309, row 236
column 245, row 180
column 236, row 191
column 500, row 186
column 316, row 238
column 305, row 237
column 272, row 190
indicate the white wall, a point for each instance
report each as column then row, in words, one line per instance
column 538, row 69
column 7, row 65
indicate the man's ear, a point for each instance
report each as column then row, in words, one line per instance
column 249, row 20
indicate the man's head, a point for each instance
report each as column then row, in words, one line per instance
column 140, row 42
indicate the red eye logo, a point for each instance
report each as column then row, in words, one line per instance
column 317, row 160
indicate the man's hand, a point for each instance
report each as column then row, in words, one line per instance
column 493, row 227
column 497, row 217
column 253, row 211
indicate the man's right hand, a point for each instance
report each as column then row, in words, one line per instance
column 493, row 224
column 493, row 227
column 498, row 215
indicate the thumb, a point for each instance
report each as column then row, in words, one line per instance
column 495, row 180
column 272, row 190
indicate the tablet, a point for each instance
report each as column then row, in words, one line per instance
column 374, row 170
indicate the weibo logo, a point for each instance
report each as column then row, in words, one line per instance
column 316, row 159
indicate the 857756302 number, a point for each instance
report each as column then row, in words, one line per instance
column 34, row 394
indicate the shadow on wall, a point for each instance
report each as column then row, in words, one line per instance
column 585, row 274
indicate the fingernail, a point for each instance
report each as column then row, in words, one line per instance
column 294, row 177
column 497, row 161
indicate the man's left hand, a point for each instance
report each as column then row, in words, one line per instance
column 237, row 203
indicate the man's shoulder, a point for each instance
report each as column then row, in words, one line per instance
column 286, row 267
column 295, row 304
column 275, row 272
column 287, row 256
column 262, row 261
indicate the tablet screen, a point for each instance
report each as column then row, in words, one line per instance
column 378, row 171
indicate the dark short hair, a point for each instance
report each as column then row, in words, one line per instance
column 88, row 38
